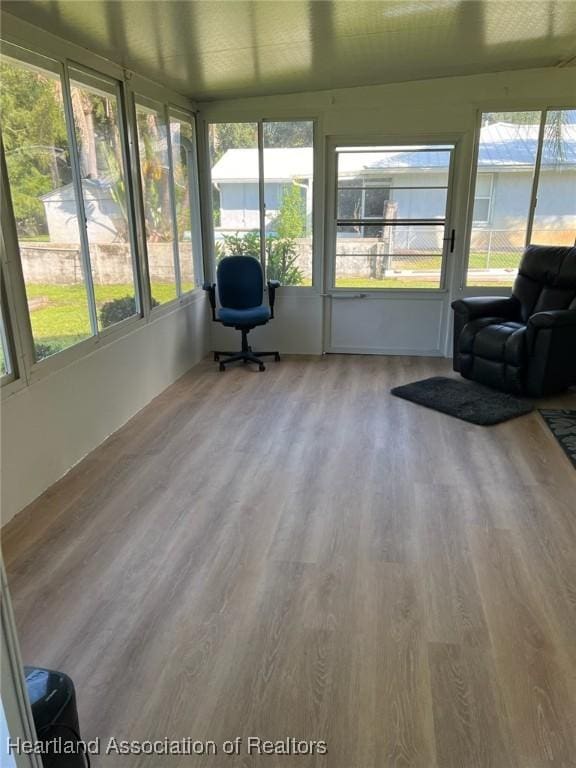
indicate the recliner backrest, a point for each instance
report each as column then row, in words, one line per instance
column 240, row 282
column 546, row 279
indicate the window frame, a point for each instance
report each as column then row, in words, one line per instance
column 10, row 373
column 55, row 59
column 194, row 194
column 317, row 192
column 165, row 109
column 38, row 368
column 119, row 92
column 487, row 109
column 451, row 142
column 538, row 168
column 489, row 197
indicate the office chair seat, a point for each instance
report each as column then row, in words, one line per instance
column 244, row 317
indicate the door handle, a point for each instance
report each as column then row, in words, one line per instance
column 451, row 240
column 346, row 296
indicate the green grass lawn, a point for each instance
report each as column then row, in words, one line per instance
column 387, row 282
column 59, row 313
column 497, row 260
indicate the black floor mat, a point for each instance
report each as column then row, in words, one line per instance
column 464, row 399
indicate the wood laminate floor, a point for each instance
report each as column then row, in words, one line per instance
column 297, row 553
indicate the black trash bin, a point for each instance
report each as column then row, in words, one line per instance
column 53, row 701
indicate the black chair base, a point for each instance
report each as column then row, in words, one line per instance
column 246, row 355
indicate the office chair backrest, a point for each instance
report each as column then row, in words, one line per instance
column 546, row 279
column 240, row 282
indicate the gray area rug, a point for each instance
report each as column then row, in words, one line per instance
column 562, row 424
column 464, row 399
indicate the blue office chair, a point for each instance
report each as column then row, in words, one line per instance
column 241, row 291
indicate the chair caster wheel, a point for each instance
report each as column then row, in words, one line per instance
column 222, row 367
column 261, row 367
column 277, row 357
column 216, row 357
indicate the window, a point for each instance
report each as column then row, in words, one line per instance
column 38, row 160
column 482, row 198
column 391, row 216
column 97, row 124
column 555, row 212
column 5, row 361
column 363, row 199
column 235, row 189
column 513, row 147
column 156, row 195
column 288, row 160
column 277, row 228
column 185, row 200
column 70, row 185
column 165, row 144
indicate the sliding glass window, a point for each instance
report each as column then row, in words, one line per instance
column 65, row 140
column 183, row 147
column 262, row 195
column 5, row 357
column 102, row 166
column 555, row 205
column 235, row 189
column 288, row 160
column 156, row 197
column 168, row 176
column 525, row 190
column 38, row 159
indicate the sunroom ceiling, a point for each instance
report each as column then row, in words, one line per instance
column 221, row 49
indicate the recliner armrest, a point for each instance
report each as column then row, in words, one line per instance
column 272, row 286
column 553, row 318
column 210, row 289
column 487, row 306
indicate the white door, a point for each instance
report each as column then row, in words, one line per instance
column 389, row 237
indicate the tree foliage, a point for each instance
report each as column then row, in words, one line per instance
column 35, row 142
column 291, row 219
column 289, row 133
column 225, row 136
column 282, row 261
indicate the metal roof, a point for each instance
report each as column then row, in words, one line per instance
column 502, row 146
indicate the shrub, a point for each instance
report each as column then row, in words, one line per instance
column 239, row 245
column 44, row 349
column 119, row 309
column 281, row 258
column 291, row 220
column 281, row 254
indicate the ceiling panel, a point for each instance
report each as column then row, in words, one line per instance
column 217, row 49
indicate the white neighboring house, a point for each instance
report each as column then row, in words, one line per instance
column 102, row 213
column 235, row 177
column 503, row 189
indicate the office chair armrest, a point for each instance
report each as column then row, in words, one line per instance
column 486, row 306
column 554, row 318
column 272, row 286
column 210, row 289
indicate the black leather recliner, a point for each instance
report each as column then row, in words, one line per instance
column 524, row 344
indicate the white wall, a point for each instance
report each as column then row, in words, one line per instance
column 295, row 330
column 52, row 424
column 440, row 107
